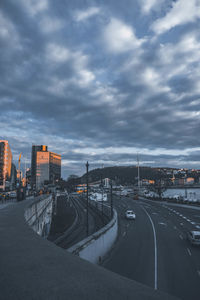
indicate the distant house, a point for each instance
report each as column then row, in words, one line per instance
column 189, row 180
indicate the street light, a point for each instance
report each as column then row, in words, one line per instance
column 102, row 194
column 87, row 223
column 111, row 199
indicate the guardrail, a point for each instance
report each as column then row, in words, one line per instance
column 94, row 247
column 38, row 215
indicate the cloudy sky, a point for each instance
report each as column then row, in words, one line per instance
column 102, row 80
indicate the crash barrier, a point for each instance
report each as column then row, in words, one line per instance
column 175, row 200
column 39, row 214
column 94, row 247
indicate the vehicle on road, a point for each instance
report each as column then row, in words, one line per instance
column 194, row 237
column 129, row 214
column 13, row 195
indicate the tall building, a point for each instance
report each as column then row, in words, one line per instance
column 46, row 166
column 54, row 167
column 5, row 165
column 35, row 149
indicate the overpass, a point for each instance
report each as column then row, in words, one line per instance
column 34, row 268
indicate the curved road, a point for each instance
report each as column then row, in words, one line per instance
column 154, row 250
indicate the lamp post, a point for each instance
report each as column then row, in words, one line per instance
column 101, row 195
column 111, row 199
column 87, row 221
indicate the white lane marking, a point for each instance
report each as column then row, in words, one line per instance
column 155, row 252
column 161, row 223
column 124, row 233
column 189, row 252
column 198, row 272
column 181, row 224
column 175, row 227
column 181, row 237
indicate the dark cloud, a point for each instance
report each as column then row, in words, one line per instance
column 62, row 85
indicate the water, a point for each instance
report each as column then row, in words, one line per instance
column 190, row 194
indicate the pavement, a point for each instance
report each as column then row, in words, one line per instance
column 154, row 249
column 34, row 268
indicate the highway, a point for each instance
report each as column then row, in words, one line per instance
column 154, row 250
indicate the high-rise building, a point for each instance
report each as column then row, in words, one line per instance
column 35, row 149
column 5, row 164
column 54, row 167
column 42, row 168
column 46, row 166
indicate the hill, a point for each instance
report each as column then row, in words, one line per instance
column 123, row 175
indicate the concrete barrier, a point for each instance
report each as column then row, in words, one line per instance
column 39, row 214
column 94, row 247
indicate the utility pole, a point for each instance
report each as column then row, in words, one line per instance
column 138, row 165
column 102, row 194
column 87, row 217
column 111, row 199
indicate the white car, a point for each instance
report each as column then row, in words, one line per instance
column 13, row 195
column 129, row 214
column 194, row 237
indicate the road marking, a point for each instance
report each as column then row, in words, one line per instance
column 155, row 252
column 198, row 272
column 161, row 223
column 181, row 224
column 189, row 252
column 124, row 233
column 181, row 237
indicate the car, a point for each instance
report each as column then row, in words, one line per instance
column 194, row 237
column 129, row 214
column 13, row 195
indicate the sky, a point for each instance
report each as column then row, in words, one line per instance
column 101, row 81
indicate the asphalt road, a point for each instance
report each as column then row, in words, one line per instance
column 154, row 250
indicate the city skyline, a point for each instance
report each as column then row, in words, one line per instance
column 101, row 81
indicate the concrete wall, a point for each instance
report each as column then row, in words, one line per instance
column 94, row 247
column 38, row 215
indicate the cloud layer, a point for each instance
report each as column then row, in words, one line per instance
column 101, row 81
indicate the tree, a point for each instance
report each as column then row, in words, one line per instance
column 72, row 177
column 158, row 188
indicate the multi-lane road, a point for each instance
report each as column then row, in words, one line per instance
column 154, row 249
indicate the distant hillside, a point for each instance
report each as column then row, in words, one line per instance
column 123, row 175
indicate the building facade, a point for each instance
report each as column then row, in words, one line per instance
column 35, row 149
column 54, row 167
column 42, row 168
column 5, row 165
column 45, row 166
